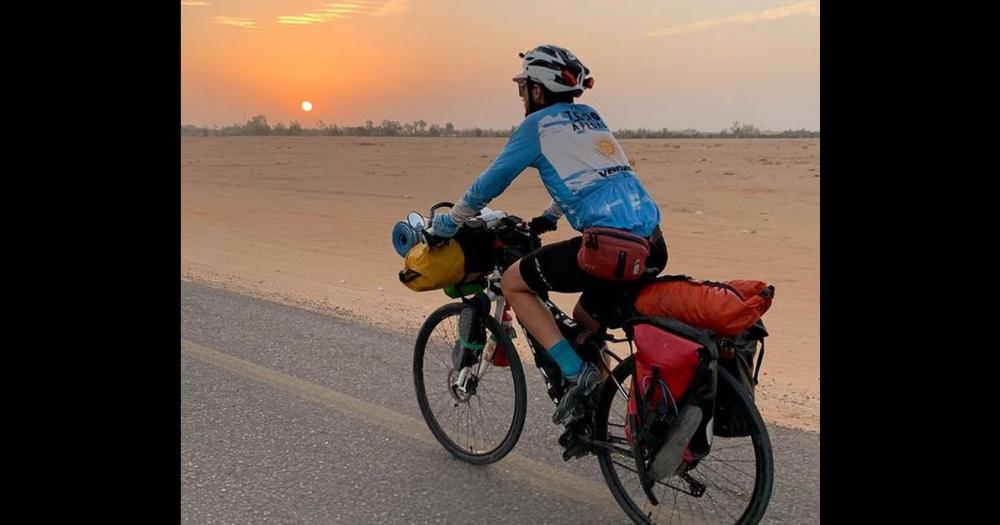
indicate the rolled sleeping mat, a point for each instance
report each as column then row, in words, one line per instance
column 404, row 237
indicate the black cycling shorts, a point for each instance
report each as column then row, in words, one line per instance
column 553, row 268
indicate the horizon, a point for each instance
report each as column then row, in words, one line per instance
column 442, row 125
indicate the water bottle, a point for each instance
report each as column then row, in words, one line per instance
column 508, row 328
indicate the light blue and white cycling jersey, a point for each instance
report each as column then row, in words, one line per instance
column 581, row 165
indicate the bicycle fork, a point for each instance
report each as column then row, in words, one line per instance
column 503, row 318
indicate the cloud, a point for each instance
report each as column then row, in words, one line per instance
column 193, row 3
column 238, row 21
column 306, row 19
column 806, row 7
column 393, row 7
column 344, row 10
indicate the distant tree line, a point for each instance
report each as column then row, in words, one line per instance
column 258, row 126
column 736, row 131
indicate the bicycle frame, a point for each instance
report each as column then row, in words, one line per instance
column 567, row 326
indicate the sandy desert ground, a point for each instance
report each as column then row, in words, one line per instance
column 306, row 221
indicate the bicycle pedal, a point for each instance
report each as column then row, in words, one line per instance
column 578, row 450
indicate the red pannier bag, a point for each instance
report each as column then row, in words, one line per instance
column 662, row 359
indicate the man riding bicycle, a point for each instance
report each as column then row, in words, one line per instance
column 589, row 178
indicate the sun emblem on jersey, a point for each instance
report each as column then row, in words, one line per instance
column 606, row 148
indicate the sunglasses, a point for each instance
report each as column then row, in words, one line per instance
column 522, row 87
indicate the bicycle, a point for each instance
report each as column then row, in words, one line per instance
column 479, row 413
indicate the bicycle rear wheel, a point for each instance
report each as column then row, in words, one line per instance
column 737, row 475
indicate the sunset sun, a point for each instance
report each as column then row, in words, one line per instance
column 307, row 106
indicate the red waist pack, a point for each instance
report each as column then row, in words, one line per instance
column 612, row 254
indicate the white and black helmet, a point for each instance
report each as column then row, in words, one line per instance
column 556, row 68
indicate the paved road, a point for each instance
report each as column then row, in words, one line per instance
column 289, row 416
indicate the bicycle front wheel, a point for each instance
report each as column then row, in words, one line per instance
column 482, row 422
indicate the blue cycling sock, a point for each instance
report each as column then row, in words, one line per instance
column 563, row 354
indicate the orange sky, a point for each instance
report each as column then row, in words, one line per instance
column 697, row 64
